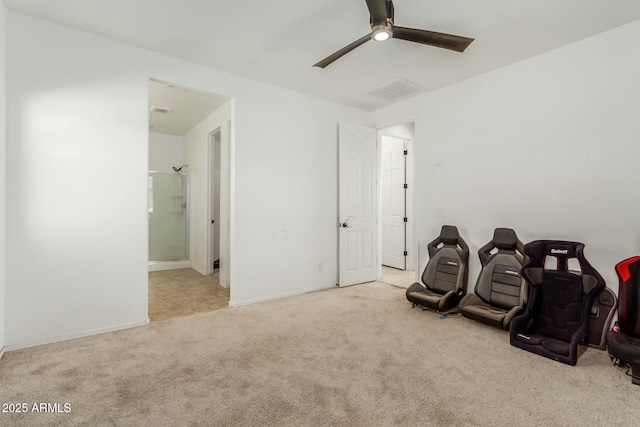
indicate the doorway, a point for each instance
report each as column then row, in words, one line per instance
column 214, row 185
column 396, row 204
column 184, row 124
column 360, row 180
column 217, row 238
column 214, row 149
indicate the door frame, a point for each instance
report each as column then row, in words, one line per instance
column 227, row 190
column 224, row 237
column 412, row 251
column 210, row 184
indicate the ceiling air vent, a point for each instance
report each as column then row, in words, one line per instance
column 396, row 89
column 161, row 110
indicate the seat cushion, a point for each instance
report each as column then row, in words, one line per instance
column 548, row 347
column 474, row 308
column 623, row 347
column 420, row 295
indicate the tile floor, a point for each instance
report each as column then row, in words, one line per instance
column 397, row 277
column 175, row 293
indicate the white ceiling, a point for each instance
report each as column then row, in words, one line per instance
column 189, row 107
column 278, row 41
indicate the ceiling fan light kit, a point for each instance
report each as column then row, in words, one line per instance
column 381, row 33
column 381, row 14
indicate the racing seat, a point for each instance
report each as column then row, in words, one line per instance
column 500, row 291
column 562, row 288
column 624, row 339
column 445, row 276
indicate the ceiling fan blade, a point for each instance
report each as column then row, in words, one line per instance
column 444, row 41
column 378, row 11
column 336, row 55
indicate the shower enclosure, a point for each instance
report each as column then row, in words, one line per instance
column 168, row 220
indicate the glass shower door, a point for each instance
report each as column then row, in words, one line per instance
column 167, row 217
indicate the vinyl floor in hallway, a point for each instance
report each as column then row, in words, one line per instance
column 395, row 277
column 175, row 293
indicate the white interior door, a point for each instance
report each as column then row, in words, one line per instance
column 393, row 193
column 358, row 204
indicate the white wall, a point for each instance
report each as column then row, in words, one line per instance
column 289, row 224
column 548, row 146
column 165, row 151
column 197, row 156
column 3, row 163
column 77, row 168
column 402, row 130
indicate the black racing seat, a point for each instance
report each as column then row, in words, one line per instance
column 500, row 291
column 624, row 339
column 562, row 288
column 446, row 274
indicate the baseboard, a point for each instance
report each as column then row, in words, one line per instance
column 198, row 269
column 283, row 295
column 169, row 265
column 67, row 337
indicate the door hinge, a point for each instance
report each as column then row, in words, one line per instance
column 406, row 186
column 406, row 253
column 405, row 219
column 406, row 152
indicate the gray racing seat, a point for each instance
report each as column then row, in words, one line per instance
column 446, row 274
column 500, row 291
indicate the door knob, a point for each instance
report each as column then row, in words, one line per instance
column 345, row 223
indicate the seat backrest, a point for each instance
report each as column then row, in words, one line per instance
column 629, row 296
column 447, row 267
column 500, row 282
column 563, row 286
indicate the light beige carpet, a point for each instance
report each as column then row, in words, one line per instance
column 358, row 356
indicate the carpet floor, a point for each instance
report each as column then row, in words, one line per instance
column 357, row 356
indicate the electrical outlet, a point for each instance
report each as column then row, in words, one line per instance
column 438, row 213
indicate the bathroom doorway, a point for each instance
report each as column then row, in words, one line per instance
column 181, row 123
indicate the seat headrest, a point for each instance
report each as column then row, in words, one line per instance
column 558, row 248
column 623, row 268
column 505, row 238
column 561, row 250
column 449, row 234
